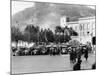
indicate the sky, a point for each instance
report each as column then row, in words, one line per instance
column 93, row 7
column 19, row 6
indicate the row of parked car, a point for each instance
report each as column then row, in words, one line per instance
column 44, row 50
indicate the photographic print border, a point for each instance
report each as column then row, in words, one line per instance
column 10, row 35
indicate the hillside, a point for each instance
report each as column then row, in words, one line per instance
column 47, row 15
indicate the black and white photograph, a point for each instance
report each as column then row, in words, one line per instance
column 52, row 37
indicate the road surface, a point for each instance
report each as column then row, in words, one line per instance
column 46, row 63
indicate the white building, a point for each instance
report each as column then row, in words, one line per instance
column 85, row 27
column 63, row 21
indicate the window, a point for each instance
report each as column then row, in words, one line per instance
column 83, row 34
column 88, row 33
column 76, row 28
column 80, row 26
column 87, row 26
column 83, row 26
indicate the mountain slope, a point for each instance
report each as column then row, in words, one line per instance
column 47, row 15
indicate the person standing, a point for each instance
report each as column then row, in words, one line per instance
column 86, row 53
column 77, row 66
column 79, row 53
column 73, row 55
column 94, row 66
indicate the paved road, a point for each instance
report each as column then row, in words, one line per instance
column 30, row 64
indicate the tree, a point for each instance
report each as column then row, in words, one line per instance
column 64, row 33
column 46, row 35
column 58, row 31
column 16, row 34
column 32, row 32
column 32, row 29
column 73, row 32
column 50, row 35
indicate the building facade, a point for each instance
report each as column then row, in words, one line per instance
column 63, row 21
column 85, row 27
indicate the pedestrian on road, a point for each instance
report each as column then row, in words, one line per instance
column 79, row 53
column 77, row 66
column 86, row 53
column 73, row 55
column 94, row 66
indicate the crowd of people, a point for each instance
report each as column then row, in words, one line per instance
column 75, row 57
column 77, row 53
